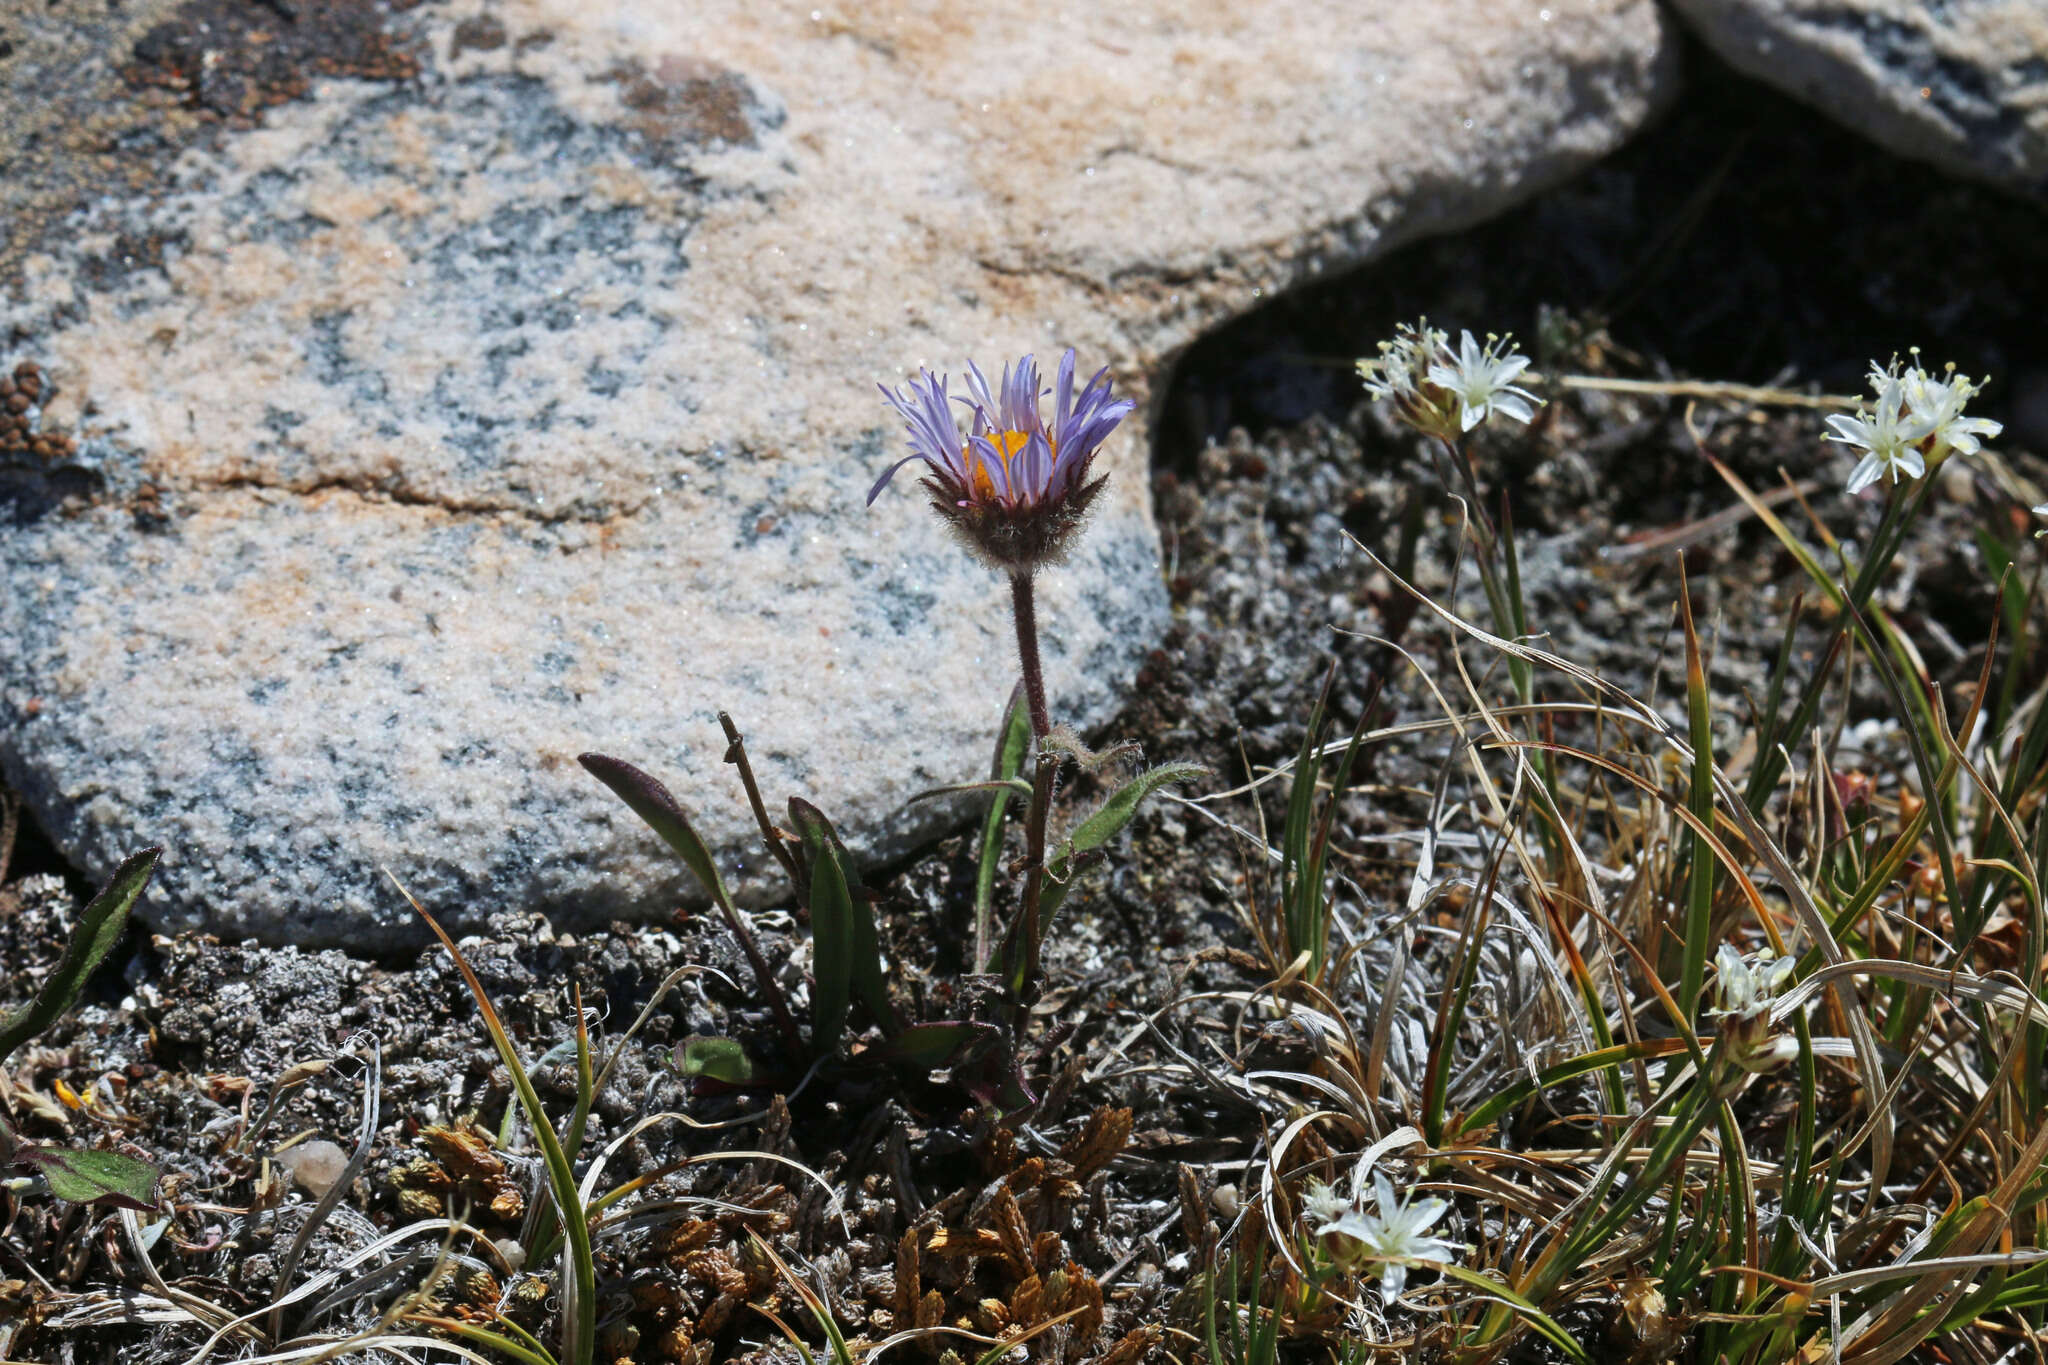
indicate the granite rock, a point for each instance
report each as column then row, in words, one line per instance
column 1960, row 83
column 510, row 392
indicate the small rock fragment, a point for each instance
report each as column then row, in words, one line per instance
column 316, row 1164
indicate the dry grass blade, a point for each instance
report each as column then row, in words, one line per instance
column 373, row 1079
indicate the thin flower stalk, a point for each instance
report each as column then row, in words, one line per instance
column 1015, row 489
column 1446, row 394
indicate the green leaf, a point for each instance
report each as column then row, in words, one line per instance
column 865, row 964
column 1301, row 796
column 1488, row 1287
column 99, row 929
column 1306, row 841
column 720, row 1059
column 1011, row 747
column 93, row 1177
column 938, row 1043
column 651, row 802
column 1105, row 824
column 527, row 1352
column 1015, row 786
column 1997, row 559
column 1700, row 799
column 831, row 929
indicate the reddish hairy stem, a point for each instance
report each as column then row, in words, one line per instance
column 1023, row 962
column 1024, row 605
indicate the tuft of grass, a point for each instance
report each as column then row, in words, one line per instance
column 1643, row 1151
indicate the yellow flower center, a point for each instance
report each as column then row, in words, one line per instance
column 1007, row 444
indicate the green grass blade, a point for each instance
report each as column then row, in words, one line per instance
column 1295, row 830
column 527, row 1352
column 1312, row 912
column 832, row 943
column 579, row 1301
column 1541, row 1322
column 1700, row 800
column 1510, row 1097
column 579, row 1120
column 1451, row 1003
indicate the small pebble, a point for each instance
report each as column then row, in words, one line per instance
column 1958, row 485
column 315, row 1163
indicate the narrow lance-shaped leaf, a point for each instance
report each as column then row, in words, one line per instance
column 99, row 929
column 1103, row 825
column 865, row 978
column 1295, row 832
column 1700, row 799
column 1311, row 914
column 125, row 1182
column 831, row 929
column 1011, row 747
column 939, row 1042
column 651, row 801
column 870, row 985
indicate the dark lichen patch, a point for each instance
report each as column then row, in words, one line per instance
column 129, row 253
column 22, row 433
column 107, row 96
column 39, row 468
column 689, row 101
column 230, row 60
column 478, row 33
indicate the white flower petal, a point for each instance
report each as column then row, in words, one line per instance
column 1509, row 405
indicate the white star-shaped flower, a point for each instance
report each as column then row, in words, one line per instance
column 1404, row 363
column 1482, row 379
column 1938, row 403
column 1888, row 435
column 1396, row 1228
column 1918, row 421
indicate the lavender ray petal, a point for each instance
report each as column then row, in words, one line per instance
column 889, row 474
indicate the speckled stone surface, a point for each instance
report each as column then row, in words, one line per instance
column 421, row 431
column 1960, row 83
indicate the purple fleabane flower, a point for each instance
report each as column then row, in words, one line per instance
column 1013, row 488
